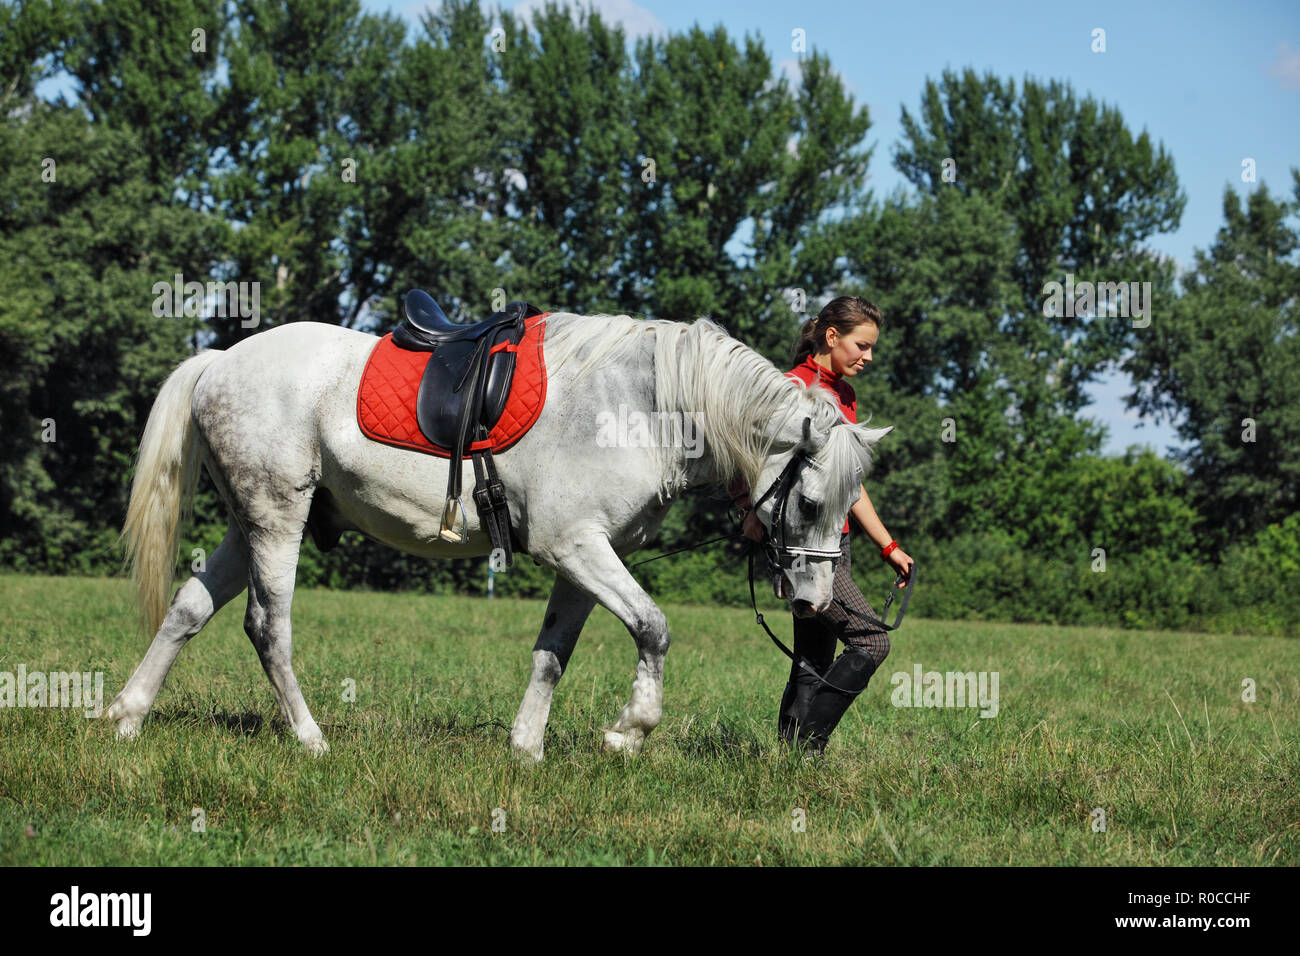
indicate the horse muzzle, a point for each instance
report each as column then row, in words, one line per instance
column 802, row 609
column 802, row 602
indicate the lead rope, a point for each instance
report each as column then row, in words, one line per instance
column 802, row 661
column 753, row 598
column 689, row 547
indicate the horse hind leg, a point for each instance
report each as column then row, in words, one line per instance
column 224, row 575
column 273, row 565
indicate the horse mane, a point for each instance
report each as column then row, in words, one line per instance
column 737, row 398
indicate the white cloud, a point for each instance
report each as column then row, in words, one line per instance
column 794, row 75
column 636, row 20
column 1286, row 67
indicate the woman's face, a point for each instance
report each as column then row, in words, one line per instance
column 850, row 353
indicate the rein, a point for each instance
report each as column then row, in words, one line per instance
column 777, row 549
column 802, row 661
column 689, row 547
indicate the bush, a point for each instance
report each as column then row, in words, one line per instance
column 985, row 577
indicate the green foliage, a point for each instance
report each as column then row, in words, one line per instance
column 320, row 151
column 1224, row 365
column 1279, row 544
column 82, row 241
column 1082, row 193
column 136, row 67
column 311, row 137
column 1039, row 185
column 989, row 577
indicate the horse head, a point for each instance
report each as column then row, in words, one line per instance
column 807, row 487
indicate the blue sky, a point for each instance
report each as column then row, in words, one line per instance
column 1216, row 84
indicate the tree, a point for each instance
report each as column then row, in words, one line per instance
column 1083, row 194
column 737, row 150
column 81, row 241
column 309, row 123
column 1013, row 190
column 1224, row 365
column 148, row 66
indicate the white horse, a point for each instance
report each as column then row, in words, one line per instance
column 274, row 421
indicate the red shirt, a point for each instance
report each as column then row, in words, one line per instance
column 809, row 372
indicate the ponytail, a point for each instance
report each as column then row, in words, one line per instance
column 806, row 344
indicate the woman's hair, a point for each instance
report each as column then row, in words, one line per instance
column 845, row 313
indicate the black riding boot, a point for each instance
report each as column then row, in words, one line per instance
column 851, row 671
column 813, row 643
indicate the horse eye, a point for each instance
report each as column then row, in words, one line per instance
column 807, row 507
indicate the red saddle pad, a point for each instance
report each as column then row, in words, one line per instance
column 391, row 380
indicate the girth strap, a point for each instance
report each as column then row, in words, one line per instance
column 490, row 502
column 470, row 421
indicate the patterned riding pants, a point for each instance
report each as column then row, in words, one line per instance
column 815, row 637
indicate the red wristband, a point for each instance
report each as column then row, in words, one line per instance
column 887, row 550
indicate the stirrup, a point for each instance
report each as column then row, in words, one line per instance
column 447, row 531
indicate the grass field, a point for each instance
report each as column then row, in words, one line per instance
column 1150, row 727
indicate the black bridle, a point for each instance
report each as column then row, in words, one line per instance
column 780, row 556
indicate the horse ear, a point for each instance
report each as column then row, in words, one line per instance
column 868, row 438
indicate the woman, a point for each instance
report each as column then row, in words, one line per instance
column 831, row 349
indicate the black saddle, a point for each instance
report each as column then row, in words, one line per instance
column 462, row 395
column 464, row 374
column 426, row 326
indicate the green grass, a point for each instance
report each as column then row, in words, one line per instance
column 1149, row 726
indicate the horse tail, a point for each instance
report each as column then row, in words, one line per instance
column 162, row 493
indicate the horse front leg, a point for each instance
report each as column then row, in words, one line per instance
column 592, row 564
column 566, row 613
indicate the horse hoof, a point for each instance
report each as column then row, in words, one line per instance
column 316, row 746
column 627, row 742
column 128, row 725
column 527, row 755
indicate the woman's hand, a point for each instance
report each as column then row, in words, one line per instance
column 902, row 563
column 752, row 527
